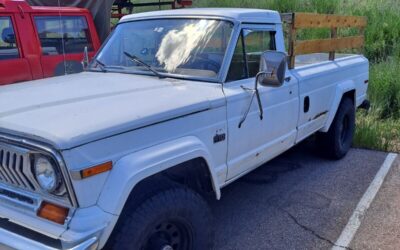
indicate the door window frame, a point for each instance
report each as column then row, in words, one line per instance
column 64, row 14
column 17, row 41
column 254, row 27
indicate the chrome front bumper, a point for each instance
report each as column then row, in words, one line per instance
column 88, row 229
column 10, row 240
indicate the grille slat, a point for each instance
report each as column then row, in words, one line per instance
column 2, row 163
column 6, row 165
column 12, row 165
column 18, row 171
column 2, row 177
column 15, row 168
column 11, row 162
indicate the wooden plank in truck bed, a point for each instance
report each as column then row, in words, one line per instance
column 327, row 45
column 312, row 20
column 298, row 21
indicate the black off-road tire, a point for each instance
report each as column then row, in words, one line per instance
column 164, row 219
column 337, row 141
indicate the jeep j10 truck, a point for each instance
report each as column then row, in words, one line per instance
column 39, row 42
column 176, row 105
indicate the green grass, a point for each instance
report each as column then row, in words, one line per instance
column 376, row 133
column 380, row 127
column 384, row 89
column 382, row 33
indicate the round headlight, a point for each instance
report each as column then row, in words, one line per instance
column 46, row 174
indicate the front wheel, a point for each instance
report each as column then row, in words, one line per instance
column 337, row 141
column 174, row 219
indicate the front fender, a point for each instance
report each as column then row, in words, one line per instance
column 131, row 169
column 341, row 89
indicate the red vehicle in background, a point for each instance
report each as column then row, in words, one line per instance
column 40, row 42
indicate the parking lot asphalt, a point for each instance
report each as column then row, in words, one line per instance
column 303, row 201
column 381, row 225
column 296, row 201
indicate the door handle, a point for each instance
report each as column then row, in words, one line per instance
column 287, row 79
column 306, row 106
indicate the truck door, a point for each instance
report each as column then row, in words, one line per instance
column 256, row 140
column 63, row 39
column 13, row 66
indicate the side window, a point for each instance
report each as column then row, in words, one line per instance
column 238, row 67
column 69, row 34
column 8, row 43
column 256, row 42
column 246, row 62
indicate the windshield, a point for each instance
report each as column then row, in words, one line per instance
column 181, row 47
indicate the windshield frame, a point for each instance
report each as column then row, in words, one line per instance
column 222, row 72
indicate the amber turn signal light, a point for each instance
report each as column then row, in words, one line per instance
column 85, row 173
column 53, row 212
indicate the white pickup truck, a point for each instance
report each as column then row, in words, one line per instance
column 175, row 106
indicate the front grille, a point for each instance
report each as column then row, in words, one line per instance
column 17, row 157
column 15, row 167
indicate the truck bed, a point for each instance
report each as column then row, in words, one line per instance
column 324, row 82
column 303, row 60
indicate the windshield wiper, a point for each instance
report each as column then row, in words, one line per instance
column 138, row 60
column 101, row 64
column 105, row 68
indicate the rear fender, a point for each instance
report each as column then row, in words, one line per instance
column 341, row 89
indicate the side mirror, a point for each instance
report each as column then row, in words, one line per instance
column 272, row 69
column 85, row 62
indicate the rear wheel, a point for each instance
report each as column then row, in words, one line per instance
column 174, row 219
column 337, row 141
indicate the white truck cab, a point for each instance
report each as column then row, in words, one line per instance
column 176, row 105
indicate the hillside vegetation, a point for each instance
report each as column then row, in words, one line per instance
column 380, row 127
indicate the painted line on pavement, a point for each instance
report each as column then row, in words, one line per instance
column 354, row 222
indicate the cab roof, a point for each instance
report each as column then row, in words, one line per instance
column 23, row 6
column 239, row 14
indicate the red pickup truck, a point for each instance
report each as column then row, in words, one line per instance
column 39, row 42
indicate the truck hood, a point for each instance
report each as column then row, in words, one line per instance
column 72, row 110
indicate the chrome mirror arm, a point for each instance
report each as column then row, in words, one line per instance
column 260, row 107
column 249, row 106
column 255, row 92
column 272, row 70
column 258, row 93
